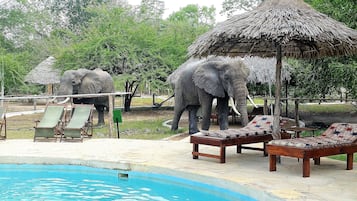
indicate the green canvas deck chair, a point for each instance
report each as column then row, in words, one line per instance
column 80, row 124
column 2, row 123
column 49, row 127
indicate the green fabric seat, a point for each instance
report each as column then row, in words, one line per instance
column 80, row 122
column 50, row 123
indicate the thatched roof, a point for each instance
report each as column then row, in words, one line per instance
column 44, row 73
column 301, row 31
column 262, row 70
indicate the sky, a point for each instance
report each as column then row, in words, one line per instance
column 175, row 5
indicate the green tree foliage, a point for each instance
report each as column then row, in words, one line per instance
column 14, row 72
column 326, row 76
column 341, row 10
column 71, row 14
column 18, row 27
column 123, row 43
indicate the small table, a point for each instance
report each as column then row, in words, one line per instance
column 298, row 130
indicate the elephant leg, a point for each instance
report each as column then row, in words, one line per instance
column 177, row 117
column 192, row 119
column 223, row 111
column 100, row 111
column 206, row 105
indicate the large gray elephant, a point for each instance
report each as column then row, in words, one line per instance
column 197, row 82
column 84, row 81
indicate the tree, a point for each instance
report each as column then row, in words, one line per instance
column 151, row 10
column 195, row 15
column 332, row 73
column 72, row 14
column 341, row 10
column 229, row 7
column 121, row 42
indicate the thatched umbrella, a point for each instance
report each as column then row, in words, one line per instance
column 44, row 74
column 262, row 70
column 277, row 28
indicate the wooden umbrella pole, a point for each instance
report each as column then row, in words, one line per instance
column 276, row 123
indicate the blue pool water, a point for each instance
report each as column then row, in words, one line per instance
column 69, row 182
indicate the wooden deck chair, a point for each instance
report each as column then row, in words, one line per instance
column 49, row 127
column 80, row 124
column 339, row 138
column 257, row 130
column 2, row 123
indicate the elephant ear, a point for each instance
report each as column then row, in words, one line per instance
column 91, row 83
column 206, row 77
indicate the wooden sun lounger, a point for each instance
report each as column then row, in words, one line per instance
column 258, row 130
column 339, row 138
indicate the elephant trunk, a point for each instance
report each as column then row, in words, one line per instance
column 240, row 97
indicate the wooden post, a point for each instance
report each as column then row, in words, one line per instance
column 265, row 111
column 286, row 101
column 34, row 104
column 276, row 122
column 49, row 89
column 111, row 123
column 297, row 112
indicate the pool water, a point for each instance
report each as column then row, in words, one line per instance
column 69, row 182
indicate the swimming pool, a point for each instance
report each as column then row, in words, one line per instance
column 72, row 182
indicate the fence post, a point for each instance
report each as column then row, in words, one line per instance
column 297, row 112
column 111, row 123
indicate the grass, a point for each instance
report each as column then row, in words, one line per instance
column 327, row 108
column 144, row 129
column 136, row 125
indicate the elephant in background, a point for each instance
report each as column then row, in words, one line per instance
column 197, row 82
column 84, row 81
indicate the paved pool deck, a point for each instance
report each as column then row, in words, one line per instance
column 247, row 172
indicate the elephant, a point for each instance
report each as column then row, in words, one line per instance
column 84, row 81
column 197, row 82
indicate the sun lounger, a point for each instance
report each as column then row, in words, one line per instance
column 257, row 130
column 50, row 124
column 80, row 124
column 339, row 138
column 2, row 123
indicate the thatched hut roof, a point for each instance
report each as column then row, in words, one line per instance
column 301, row 31
column 262, row 70
column 44, row 73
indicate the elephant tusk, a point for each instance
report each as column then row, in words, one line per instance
column 65, row 101
column 251, row 100
column 233, row 105
column 52, row 100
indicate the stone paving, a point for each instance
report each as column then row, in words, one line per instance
column 247, row 172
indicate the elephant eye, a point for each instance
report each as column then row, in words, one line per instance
column 226, row 77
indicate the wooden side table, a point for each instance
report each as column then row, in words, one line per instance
column 298, row 130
